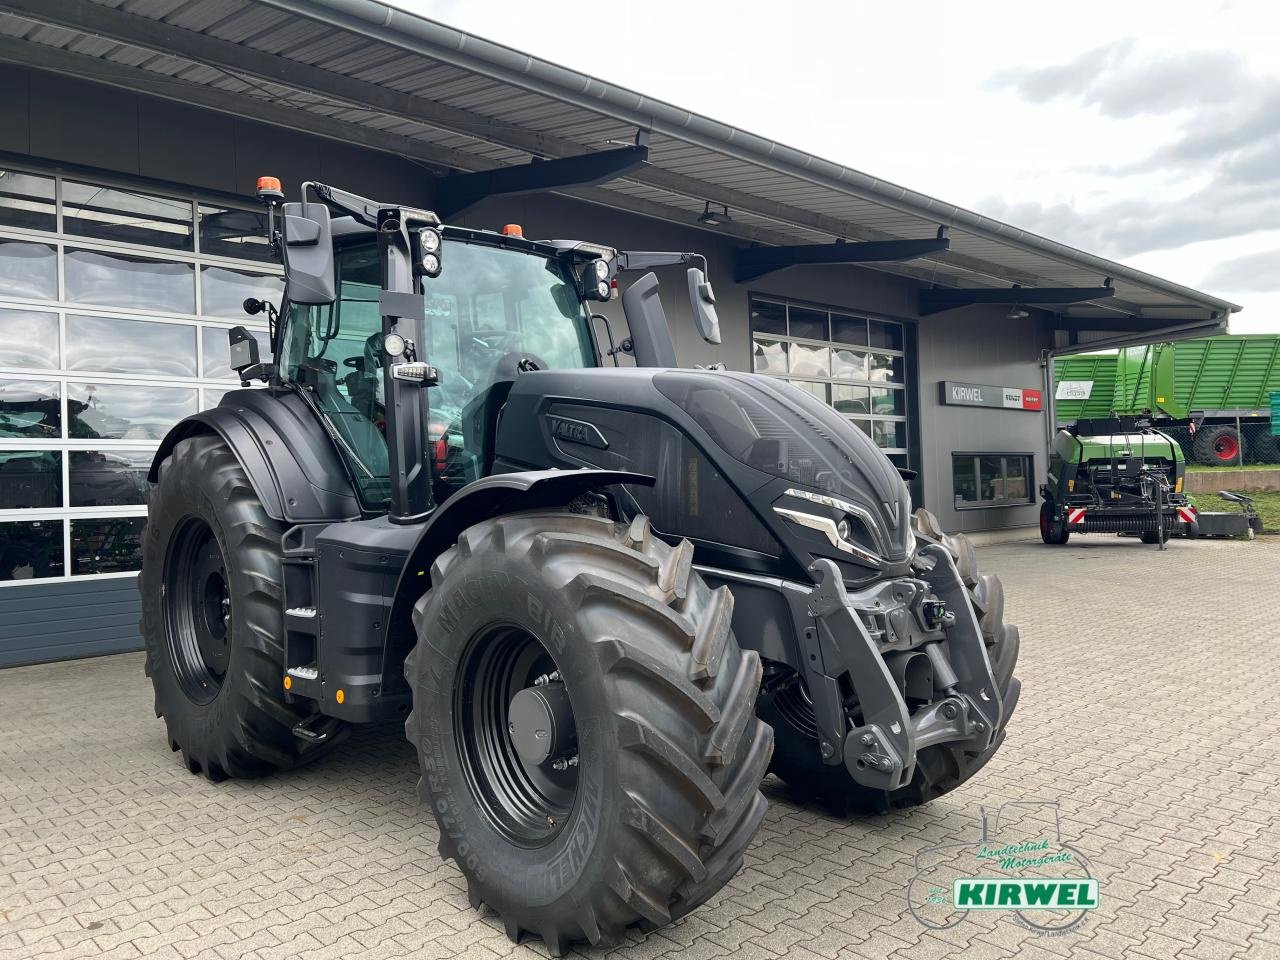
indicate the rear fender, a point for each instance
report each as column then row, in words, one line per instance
column 290, row 461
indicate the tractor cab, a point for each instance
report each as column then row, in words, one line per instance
column 475, row 309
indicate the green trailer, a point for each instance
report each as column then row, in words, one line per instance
column 1215, row 391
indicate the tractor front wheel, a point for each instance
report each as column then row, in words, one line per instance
column 585, row 724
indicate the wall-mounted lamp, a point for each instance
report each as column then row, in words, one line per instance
column 711, row 217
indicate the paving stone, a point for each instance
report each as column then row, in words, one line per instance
column 338, row 860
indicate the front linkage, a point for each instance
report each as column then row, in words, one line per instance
column 900, row 640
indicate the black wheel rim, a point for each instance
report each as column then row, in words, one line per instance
column 197, row 608
column 528, row 803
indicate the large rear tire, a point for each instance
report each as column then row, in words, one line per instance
column 212, row 621
column 939, row 768
column 1219, row 445
column 630, row 658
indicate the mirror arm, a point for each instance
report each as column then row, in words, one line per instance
column 648, row 259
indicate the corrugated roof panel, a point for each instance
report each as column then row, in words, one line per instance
column 203, row 15
column 152, row 9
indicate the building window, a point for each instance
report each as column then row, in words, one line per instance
column 115, row 304
column 992, row 479
column 853, row 362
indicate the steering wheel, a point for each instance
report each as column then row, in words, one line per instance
column 511, row 365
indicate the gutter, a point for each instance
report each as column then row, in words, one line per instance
column 428, row 38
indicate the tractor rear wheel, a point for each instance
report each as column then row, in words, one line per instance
column 940, row 768
column 585, row 723
column 211, row 618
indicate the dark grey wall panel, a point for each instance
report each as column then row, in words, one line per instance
column 15, row 130
column 58, row 621
column 84, row 123
column 184, row 145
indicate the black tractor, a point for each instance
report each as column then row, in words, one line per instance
column 592, row 592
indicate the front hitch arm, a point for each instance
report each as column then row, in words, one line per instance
column 881, row 752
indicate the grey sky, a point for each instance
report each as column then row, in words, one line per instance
column 1146, row 132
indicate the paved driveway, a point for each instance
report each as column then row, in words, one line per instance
column 1149, row 712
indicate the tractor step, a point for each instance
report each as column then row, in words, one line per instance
column 317, row 728
column 304, row 673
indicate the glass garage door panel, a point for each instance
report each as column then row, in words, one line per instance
column 28, row 271
column 126, row 216
column 30, row 479
column 108, row 545
column 224, row 291
column 28, row 338
column 855, row 363
column 130, row 281
column 30, row 550
column 126, row 411
column 30, row 410
column 140, row 347
column 27, row 200
column 109, row 478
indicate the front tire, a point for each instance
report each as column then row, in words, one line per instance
column 212, row 621
column 637, row 803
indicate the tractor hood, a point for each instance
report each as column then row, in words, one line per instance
column 787, row 433
column 741, row 461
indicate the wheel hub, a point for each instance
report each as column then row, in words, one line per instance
column 517, row 735
column 198, row 610
column 541, row 724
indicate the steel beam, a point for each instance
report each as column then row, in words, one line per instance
column 757, row 261
column 949, row 298
column 458, row 191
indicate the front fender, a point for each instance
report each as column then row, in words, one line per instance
column 493, row 496
column 290, row 461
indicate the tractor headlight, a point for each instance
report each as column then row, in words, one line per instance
column 595, row 281
column 844, row 529
column 429, row 252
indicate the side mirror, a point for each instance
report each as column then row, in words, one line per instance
column 703, row 302
column 308, row 254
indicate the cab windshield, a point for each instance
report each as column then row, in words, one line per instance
column 487, row 310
